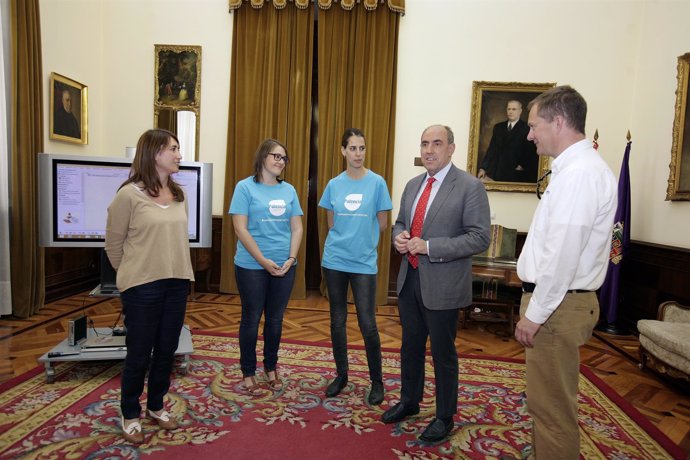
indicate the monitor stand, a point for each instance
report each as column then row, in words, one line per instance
column 64, row 352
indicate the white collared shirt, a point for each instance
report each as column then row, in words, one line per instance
column 439, row 176
column 569, row 240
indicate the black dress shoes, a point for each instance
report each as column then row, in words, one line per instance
column 376, row 393
column 437, row 430
column 336, row 386
column 398, row 413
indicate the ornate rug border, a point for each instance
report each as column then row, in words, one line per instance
column 657, row 435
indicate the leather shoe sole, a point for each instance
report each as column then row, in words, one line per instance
column 437, row 430
column 336, row 386
column 398, row 413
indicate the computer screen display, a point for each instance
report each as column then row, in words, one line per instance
column 75, row 193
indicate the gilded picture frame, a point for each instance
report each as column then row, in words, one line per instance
column 177, row 94
column 68, row 120
column 178, row 76
column 489, row 136
column 679, row 174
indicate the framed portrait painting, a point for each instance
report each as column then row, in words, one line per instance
column 679, row 175
column 178, row 76
column 68, row 110
column 499, row 153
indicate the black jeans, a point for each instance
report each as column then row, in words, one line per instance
column 364, row 292
column 154, row 315
column 262, row 293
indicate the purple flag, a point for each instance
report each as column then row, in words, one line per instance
column 620, row 243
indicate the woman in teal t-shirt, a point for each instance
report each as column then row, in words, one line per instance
column 267, row 219
column 357, row 203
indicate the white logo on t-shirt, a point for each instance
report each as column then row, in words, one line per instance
column 277, row 207
column 353, row 201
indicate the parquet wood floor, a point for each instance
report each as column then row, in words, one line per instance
column 613, row 359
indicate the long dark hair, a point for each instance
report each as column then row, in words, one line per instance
column 261, row 154
column 144, row 165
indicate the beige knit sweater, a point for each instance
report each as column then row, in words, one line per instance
column 146, row 241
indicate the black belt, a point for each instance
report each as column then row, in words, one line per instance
column 529, row 287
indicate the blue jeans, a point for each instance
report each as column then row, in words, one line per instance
column 262, row 293
column 154, row 315
column 364, row 292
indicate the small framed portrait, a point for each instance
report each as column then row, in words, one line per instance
column 679, row 175
column 68, row 110
column 178, row 76
column 499, row 153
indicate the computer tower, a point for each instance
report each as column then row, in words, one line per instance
column 76, row 330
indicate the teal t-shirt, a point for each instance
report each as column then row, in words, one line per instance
column 352, row 242
column 269, row 209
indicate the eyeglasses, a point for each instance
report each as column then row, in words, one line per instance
column 539, row 182
column 279, row 157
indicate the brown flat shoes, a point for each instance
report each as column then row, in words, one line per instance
column 164, row 420
column 132, row 431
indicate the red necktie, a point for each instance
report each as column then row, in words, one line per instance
column 418, row 219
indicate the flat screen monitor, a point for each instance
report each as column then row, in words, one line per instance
column 75, row 192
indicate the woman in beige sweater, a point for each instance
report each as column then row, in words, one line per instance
column 147, row 243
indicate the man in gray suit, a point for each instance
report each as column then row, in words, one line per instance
column 443, row 220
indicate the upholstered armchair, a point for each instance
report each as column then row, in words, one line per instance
column 665, row 342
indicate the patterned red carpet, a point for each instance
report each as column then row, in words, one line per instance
column 78, row 415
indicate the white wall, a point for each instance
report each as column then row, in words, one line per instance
column 445, row 45
column 110, row 48
column 72, row 46
column 664, row 35
column 620, row 54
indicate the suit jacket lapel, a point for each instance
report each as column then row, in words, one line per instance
column 446, row 187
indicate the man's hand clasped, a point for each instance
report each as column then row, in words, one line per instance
column 404, row 244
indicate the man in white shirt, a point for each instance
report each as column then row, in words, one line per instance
column 562, row 264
